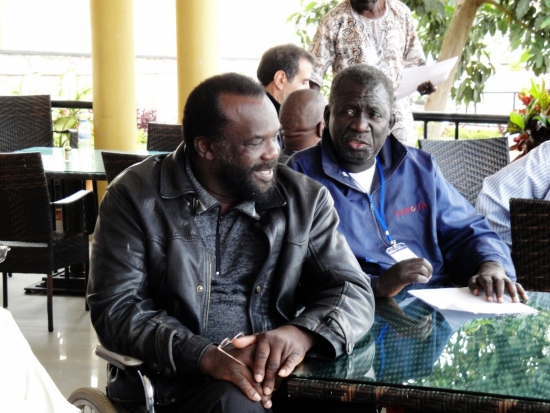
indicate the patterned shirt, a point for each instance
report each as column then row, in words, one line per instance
column 528, row 177
column 345, row 38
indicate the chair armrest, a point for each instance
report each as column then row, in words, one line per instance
column 72, row 198
column 121, row 361
column 90, row 208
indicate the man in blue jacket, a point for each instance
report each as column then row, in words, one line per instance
column 407, row 226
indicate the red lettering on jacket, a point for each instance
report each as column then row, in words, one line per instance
column 410, row 209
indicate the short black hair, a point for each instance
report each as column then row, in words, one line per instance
column 203, row 115
column 285, row 57
column 363, row 75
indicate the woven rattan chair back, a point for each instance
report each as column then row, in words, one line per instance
column 466, row 163
column 25, row 121
column 24, row 199
column 26, row 225
column 530, row 224
column 163, row 137
column 116, row 162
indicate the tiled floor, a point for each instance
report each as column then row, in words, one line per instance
column 66, row 353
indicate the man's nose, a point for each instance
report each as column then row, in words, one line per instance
column 271, row 149
column 361, row 123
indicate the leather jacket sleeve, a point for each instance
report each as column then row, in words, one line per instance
column 336, row 294
column 122, row 305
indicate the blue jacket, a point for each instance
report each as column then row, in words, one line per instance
column 421, row 210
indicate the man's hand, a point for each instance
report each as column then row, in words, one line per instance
column 398, row 276
column 418, row 328
column 278, row 352
column 426, row 88
column 215, row 364
column 493, row 279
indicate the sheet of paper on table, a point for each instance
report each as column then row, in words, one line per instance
column 461, row 299
column 414, row 76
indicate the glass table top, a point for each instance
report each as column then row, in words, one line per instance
column 78, row 163
column 411, row 344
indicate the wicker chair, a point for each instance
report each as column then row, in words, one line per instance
column 530, row 224
column 116, row 162
column 26, row 224
column 163, row 137
column 466, row 163
column 26, row 121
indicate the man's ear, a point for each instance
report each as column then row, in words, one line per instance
column 203, row 148
column 392, row 120
column 279, row 79
column 326, row 115
column 319, row 128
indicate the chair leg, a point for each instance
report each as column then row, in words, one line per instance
column 49, row 304
column 5, row 284
column 86, row 272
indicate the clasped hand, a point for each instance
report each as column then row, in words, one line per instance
column 267, row 357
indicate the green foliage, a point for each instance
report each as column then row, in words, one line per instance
column 525, row 23
column 498, row 357
column 309, row 17
column 64, row 118
column 471, row 132
column 537, row 108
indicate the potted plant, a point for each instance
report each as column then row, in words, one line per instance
column 531, row 123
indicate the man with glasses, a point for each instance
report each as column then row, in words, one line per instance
column 217, row 239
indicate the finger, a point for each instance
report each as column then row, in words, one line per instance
column 245, row 341
column 272, row 368
column 246, row 386
column 498, row 286
column 488, row 285
column 472, row 285
column 512, row 290
column 260, row 360
column 290, row 364
column 421, row 279
column 266, row 402
column 522, row 292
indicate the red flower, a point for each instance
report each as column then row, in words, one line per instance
column 526, row 99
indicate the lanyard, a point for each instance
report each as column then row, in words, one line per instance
column 379, row 213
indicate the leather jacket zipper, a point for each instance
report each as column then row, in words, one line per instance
column 218, row 247
column 208, row 288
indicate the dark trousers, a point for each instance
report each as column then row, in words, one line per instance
column 224, row 397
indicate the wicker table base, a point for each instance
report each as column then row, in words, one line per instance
column 409, row 398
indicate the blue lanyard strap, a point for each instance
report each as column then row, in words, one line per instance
column 379, row 213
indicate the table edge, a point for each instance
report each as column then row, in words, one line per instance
column 409, row 398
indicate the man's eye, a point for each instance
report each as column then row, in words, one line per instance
column 375, row 115
column 255, row 143
column 349, row 112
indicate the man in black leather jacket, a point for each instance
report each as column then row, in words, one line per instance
column 216, row 238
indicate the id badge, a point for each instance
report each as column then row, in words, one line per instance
column 371, row 55
column 400, row 252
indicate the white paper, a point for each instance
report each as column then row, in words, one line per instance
column 461, row 299
column 415, row 76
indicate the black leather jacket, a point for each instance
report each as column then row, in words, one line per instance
column 150, row 272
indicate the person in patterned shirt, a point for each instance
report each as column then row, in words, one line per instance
column 374, row 32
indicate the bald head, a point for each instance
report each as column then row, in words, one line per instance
column 301, row 118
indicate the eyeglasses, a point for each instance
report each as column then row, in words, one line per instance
column 227, row 342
